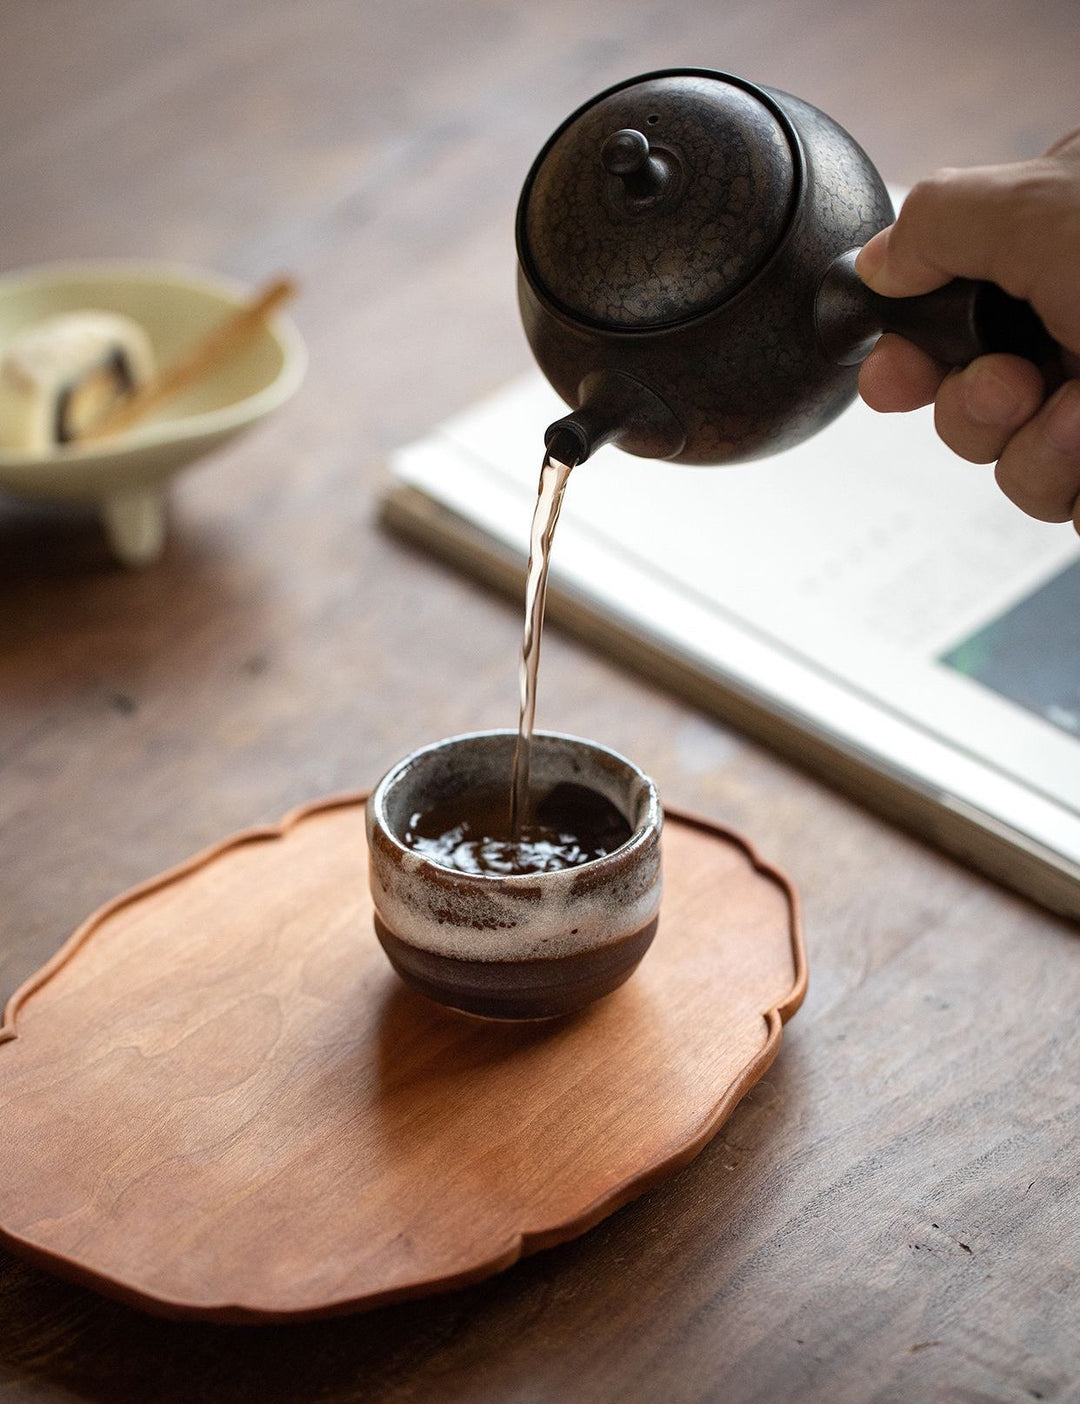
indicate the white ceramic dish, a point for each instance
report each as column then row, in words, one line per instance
column 127, row 477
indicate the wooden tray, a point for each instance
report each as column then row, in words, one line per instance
column 218, row 1101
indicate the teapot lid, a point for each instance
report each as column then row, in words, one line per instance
column 659, row 199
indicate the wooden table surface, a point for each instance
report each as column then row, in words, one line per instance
column 892, row 1214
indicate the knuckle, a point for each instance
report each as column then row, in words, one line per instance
column 1036, row 191
column 1022, row 477
column 1067, row 147
column 1054, row 289
column 956, row 436
column 937, row 183
column 925, row 197
column 1015, row 485
column 973, row 441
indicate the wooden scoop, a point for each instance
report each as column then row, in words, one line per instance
column 206, row 355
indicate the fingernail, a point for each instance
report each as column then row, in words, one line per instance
column 871, row 257
column 988, row 398
column 1063, row 418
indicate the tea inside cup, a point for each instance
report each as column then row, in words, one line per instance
column 509, row 941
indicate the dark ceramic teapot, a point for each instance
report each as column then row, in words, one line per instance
column 686, row 243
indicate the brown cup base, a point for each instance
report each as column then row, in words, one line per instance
column 517, row 989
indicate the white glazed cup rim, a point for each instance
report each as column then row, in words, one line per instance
column 647, row 828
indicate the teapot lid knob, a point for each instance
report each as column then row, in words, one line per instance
column 629, row 232
column 627, row 154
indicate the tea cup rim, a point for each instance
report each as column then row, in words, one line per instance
column 649, row 825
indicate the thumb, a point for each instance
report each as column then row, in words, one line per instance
column 978, row 223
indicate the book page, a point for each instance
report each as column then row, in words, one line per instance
column 870, row 555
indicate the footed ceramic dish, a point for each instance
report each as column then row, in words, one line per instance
column 126, row 477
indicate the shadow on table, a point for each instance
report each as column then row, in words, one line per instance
column 49, row 540
column 62, row 592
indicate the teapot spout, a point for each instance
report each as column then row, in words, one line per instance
column 615, row 408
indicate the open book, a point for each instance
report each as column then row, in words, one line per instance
column 866, row 603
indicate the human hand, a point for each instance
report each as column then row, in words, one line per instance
column 1017, row 226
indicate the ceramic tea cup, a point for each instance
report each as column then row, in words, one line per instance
column 525, row 945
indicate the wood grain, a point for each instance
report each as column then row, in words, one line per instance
column 218, row 1102
column 286, row 648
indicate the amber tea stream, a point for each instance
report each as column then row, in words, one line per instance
column 500, row 834
column 553, row 479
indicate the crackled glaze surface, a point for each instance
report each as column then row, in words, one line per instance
column 748, row 377
column 619, row 262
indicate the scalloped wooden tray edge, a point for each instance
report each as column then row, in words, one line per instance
column 524, row 1243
